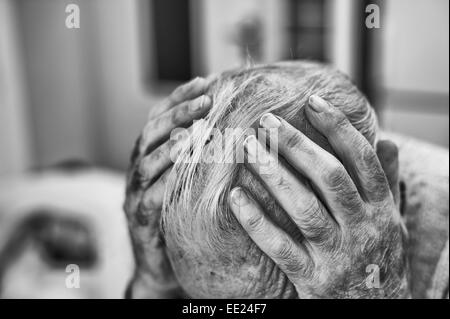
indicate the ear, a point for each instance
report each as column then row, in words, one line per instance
column 387, row 153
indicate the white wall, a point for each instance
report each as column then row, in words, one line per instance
column 341, row 41
column 220, row 23
column 15, row 155
column 57, row 80
column 123, row 98
column 416, row 68
column 88, row 98
column 416, row 45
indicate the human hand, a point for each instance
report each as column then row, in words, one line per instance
column 353, row 234
column 150, row 166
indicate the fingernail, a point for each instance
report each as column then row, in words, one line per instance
column 204, row 102
column 269, row 121
column 318, row 104
column 238, row 197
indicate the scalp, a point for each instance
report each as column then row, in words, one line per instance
column 201, row 233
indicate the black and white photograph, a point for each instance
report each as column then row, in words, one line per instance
column 224, row 150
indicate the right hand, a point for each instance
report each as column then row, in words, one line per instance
column 349, row 218
column 149, row 168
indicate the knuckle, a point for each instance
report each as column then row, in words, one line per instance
column 307, row 269
column 281, row 183
column 375, row 180
column 295, row 140
column 285, row 254
column 368, row 154
column 178, row 114
column 341, row 122
column 314, row 223
column 349, row 200
column 147, row 217
column 191, row 106
column 144, row 170
column 376, row 185
column 271, row 173
column 305, row 211
column 142, row 217
column 155, row 124
column 320, row 235
column 189, row 88
column 153, row 198
column 149, row 170
column 335, row 176
column 383, row 215
column 343, row 189
column 312, row 207
column 181, row 91
column 254, row 223
column 283, row 250
column 150, row 203
column 160, row 153
column 151, row 159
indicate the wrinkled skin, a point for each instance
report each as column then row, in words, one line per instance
column 146, row 180
column 363, row 231
column 352, row 228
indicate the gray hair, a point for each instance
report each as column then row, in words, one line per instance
column 211, row 254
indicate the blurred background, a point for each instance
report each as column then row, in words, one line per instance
column 84, row 94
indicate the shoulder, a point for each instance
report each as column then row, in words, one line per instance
column 424, row 173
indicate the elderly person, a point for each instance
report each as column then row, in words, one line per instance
column 321, row 221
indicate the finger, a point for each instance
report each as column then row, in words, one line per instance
column 144, row 215
column 327, row 174
column 387, row 153
column 185, row 92
column 154, row 164
column 159, row 128
column 153, row 197
column 292, row 259
column 293, row 196
column 144, row 221
column 351, row 146
column 148, row 243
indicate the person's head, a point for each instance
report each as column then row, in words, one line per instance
column 211, row 254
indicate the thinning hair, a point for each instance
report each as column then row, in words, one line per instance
column 203, row 237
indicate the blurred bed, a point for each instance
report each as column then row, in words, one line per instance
column 61, row 223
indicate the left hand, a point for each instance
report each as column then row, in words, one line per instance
column 352, row 228
column 151, row 164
